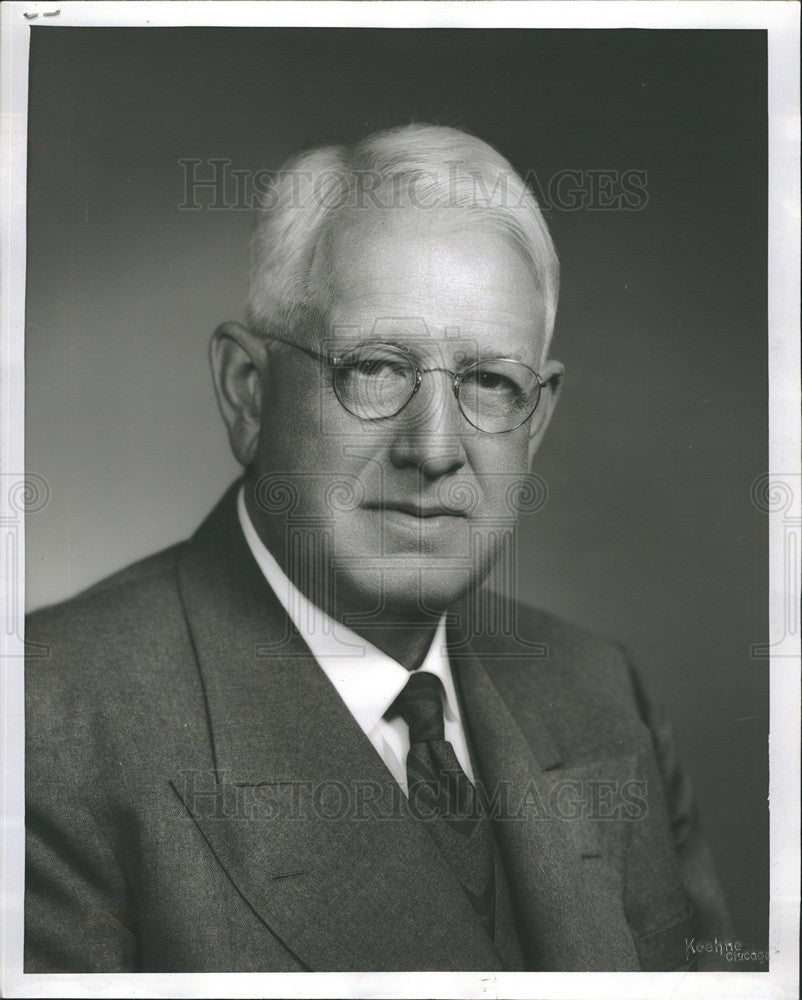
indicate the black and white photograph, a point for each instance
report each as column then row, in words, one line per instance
column 401, row 499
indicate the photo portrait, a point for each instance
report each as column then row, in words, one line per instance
column 399, row 501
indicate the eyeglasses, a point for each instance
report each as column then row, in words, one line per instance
column 375, row 381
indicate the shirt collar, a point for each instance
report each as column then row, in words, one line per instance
column 367, row 680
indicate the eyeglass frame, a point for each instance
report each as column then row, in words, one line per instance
column 333, row 361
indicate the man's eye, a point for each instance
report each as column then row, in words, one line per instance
column 491, row 381
column 371, row 366
column 378, row 368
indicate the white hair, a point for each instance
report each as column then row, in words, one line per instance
column 415, row 167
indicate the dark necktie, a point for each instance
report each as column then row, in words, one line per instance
column 442, row 795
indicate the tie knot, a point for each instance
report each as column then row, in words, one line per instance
column 420, row 704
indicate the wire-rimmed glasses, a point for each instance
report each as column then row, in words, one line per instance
column 375, row 381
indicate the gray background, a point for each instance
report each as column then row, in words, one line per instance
column 649, row 533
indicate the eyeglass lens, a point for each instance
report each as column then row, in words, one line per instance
column 377, row 381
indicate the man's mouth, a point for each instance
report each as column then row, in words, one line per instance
column 421, row 511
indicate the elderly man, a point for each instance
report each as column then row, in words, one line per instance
column 298, row 741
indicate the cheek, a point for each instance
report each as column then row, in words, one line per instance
column 314, row 460
column 292, row 429
column 499, row 463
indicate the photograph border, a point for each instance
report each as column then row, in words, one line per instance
column 780, row 490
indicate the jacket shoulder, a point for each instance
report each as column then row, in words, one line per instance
column 582, row 681
column 159, row 564
column 534, row 637
column 133, row 611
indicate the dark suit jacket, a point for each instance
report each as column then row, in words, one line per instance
column 199, row 798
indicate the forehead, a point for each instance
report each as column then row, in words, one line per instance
column 412, row 276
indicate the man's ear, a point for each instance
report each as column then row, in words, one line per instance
column 552, row 372
column 237, row 358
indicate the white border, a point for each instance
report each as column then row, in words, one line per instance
column 775, row 15
column 780, row 19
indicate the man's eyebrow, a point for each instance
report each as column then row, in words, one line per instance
column 513, row 355
column 464, row 357
column 510, row 354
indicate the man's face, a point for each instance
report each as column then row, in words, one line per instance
column 409, row 511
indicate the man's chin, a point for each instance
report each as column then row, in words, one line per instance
column 409, row 590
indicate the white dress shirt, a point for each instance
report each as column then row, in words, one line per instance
column 367, row 680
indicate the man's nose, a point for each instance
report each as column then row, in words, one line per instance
column 429, row 431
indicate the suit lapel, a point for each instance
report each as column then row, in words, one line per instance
column 563, row 872
column 304, row 817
